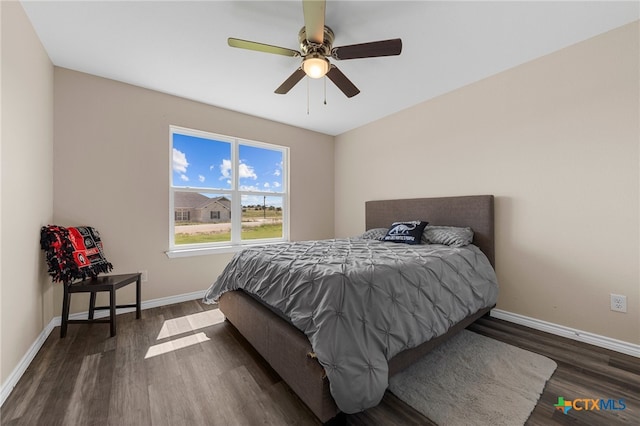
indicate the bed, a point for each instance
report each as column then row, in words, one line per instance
column 328, row 371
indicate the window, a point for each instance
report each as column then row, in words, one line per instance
column 182, row 215
column 225, row 191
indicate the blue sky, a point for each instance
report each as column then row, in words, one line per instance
column 206, row 163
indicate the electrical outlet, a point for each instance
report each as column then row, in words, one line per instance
column 618, row 302
column 145, row 278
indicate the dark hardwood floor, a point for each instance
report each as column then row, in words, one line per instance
column 181, row 365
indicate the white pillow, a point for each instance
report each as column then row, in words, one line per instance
column 374, row 234
column 448, row 235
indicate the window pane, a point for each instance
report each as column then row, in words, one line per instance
column 260, row 169
column 201, row 217
column 210, row 171
column 201, row 162
column 261, row 217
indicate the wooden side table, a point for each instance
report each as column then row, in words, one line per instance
column 108, row 283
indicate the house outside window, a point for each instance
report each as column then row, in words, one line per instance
column 225, row 192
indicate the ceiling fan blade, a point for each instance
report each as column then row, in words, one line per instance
column 343, row 83
column 368, row 50
column 314, row 20
column 290, row 82
column 261, row 47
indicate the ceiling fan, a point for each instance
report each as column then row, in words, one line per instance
column 316, row 46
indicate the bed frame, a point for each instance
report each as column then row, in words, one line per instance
column 288, row 350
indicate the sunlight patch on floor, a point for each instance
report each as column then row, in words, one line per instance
column 174, row 345
column 188, row 323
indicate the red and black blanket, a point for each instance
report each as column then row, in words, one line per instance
column 73, row 253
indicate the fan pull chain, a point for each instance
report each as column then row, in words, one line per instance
column 325, row 89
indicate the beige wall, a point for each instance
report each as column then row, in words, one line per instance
column 27, row 185
column 556, row 141
column 112, row 172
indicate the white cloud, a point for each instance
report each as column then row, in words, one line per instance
column 201, row 178
column 247, row 171
column 244, row 170
column 249, row 188
column 251, row 200
column 225, row 169
column 212, row 168
column 184, row 178
column 266, row 185
column 277, row 172
column 180, row 162
column 276, row 184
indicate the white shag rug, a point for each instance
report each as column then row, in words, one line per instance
column 474, row 380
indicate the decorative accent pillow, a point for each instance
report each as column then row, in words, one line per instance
column 374, row 234
column 73, row 253
column 448, row 235
column 405, row 232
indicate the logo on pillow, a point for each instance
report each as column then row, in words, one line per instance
column 405, row 232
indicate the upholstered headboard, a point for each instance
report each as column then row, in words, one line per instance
column 475, row 211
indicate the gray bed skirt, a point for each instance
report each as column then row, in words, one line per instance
column 288, row 350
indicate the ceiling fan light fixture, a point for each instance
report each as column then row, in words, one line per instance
column 315, row 66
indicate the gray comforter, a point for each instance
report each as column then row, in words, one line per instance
column 360, row 302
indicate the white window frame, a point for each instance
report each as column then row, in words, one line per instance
column 235, row 194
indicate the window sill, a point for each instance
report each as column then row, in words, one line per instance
column 203, row 251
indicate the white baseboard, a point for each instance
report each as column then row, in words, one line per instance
column 570, row 333
column 17, row 372
column 163, row 301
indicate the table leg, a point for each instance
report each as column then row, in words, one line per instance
column 138, row 296
column 112, row 309
column 92, row 304
column 65, row 310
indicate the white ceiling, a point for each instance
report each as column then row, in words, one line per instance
column 180, row 48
